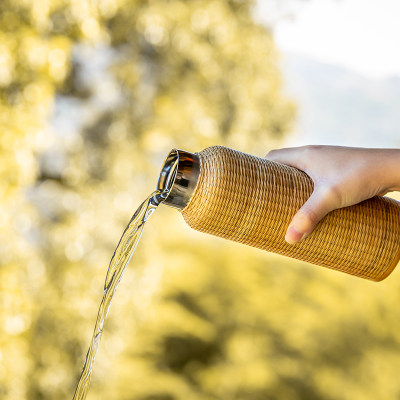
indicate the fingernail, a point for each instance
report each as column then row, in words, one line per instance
column 293, row 235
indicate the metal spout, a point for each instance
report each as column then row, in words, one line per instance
column 179, row 174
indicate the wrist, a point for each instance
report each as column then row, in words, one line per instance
column 391, row 170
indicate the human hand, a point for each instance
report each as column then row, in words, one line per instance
column 342, row 176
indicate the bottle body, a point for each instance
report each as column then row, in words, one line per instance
column 252, row 200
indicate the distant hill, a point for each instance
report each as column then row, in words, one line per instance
column 338, row 106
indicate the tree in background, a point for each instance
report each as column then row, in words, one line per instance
column 93, row 96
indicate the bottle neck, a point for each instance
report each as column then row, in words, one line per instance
column 179, row 174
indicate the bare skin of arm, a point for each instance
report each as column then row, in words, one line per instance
column 342, row 176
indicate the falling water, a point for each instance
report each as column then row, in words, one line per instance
column 120, row 259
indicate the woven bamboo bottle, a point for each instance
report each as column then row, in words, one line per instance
column 252, row 200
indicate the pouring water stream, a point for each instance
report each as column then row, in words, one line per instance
column 119, row 261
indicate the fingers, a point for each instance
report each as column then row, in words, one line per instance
column 320, row 203
column 293, row 156
column 324, row 198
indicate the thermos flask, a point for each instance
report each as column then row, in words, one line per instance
column 251, row 200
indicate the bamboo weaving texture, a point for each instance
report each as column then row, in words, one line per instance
column 252, row 200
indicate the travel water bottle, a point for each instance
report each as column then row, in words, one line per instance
column 252, row 200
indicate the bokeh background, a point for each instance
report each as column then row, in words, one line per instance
column 93, row 95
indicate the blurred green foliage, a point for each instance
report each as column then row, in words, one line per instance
column 93, row 96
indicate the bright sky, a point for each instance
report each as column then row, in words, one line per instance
column 362, row 35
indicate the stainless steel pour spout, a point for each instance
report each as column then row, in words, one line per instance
column 179, row 174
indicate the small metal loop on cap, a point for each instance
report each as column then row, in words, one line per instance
column 179, row 174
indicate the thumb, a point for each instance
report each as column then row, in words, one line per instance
column 320, row 203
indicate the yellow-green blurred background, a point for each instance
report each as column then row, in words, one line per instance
column 93, row 95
